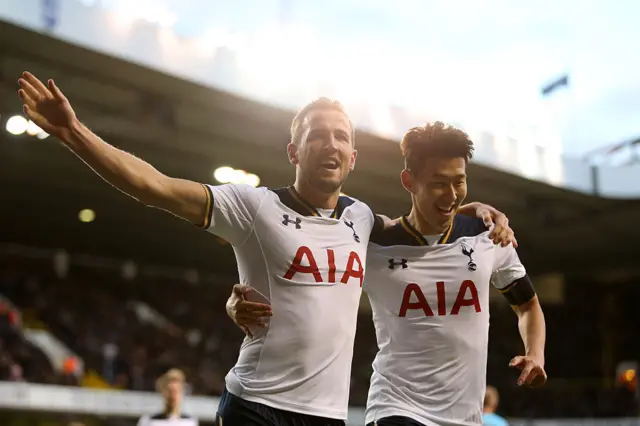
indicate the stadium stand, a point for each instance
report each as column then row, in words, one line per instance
column 92, row 311
column 122, row 329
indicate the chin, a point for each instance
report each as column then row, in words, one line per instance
column 327, row 186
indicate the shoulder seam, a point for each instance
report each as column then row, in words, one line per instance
column 255, row 217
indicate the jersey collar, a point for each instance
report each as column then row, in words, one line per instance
column 417, row 238
column 292, row 199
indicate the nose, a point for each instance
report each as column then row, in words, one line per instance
column 449, row 194
column 331, row 143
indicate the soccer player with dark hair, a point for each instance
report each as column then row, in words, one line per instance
column 428, row 280
column 304, row 247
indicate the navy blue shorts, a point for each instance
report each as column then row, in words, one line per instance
column 395, row 421
column 235, row 411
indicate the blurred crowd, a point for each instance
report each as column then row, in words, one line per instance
column 96, row 313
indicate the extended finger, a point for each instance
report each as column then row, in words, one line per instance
column 253, row 315
column 500, row 236
column 508, row 239
column 57, row 93
column 253, row 306
column 26, row 99
column 36, row 118
column 539, row 380
column 524, row 375
column 514, row 242
column 495, row 231
column 29, row 90
column 37, row 84
column 533, row 374
column 246, row 321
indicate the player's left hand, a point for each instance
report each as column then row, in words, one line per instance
column 244, row 313
column 531, row 370
column 501, row 233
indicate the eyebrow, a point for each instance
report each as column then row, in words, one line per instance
column 441, row 176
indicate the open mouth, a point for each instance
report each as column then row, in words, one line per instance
column 445, row 211
column 330, row 165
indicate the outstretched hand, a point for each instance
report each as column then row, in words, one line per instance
column 244, row 313
column 46, row 105
column 531, row 371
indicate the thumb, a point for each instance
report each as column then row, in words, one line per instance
column 516, row 361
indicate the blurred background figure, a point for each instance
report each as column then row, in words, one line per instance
column 171, row 386
column 491, row 401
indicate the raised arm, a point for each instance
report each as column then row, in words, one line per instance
column 47, row 107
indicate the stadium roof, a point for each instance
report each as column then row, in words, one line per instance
column 188, row 130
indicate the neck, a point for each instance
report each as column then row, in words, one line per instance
column 172, row 410
column 423, row 226
column 317, row 198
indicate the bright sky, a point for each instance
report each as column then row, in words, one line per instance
column 481, row 61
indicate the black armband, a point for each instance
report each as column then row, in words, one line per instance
column 519, row 292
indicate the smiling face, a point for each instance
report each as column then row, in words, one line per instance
column 322, row 148
column 438, row 189
column 436, row 159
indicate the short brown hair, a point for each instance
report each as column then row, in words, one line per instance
column 434, row 140
column 491, row 397
column 172, row 375
column 319, row 104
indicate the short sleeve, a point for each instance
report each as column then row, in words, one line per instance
column 507, row 267
column 232, row 211
column 143, row 421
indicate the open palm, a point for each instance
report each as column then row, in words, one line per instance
column 45, row 106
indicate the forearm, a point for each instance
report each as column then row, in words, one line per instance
column 532, row 328
column 124, row 171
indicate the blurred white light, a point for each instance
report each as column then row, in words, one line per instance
column 87, row 215
column 42, row 135
column 32, row 128
column 230, row 175
column 223, row 174
column 17, row 125
column 238, row 176
column 251, row 179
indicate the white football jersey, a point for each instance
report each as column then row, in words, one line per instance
column 311, row 268
column 431, row 312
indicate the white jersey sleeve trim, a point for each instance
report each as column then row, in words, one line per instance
column 233, row 210
column 507, row 267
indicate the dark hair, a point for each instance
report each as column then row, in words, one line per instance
column 434, row 140
column 319, row 104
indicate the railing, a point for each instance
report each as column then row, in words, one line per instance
column 116, row 403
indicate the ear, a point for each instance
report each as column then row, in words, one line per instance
column 352, row 160
column 292, row 153
column 407, row 180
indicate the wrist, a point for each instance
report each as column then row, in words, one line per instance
column 537, row 355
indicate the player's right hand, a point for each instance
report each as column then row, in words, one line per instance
column 46, row 106
column 244, row 313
